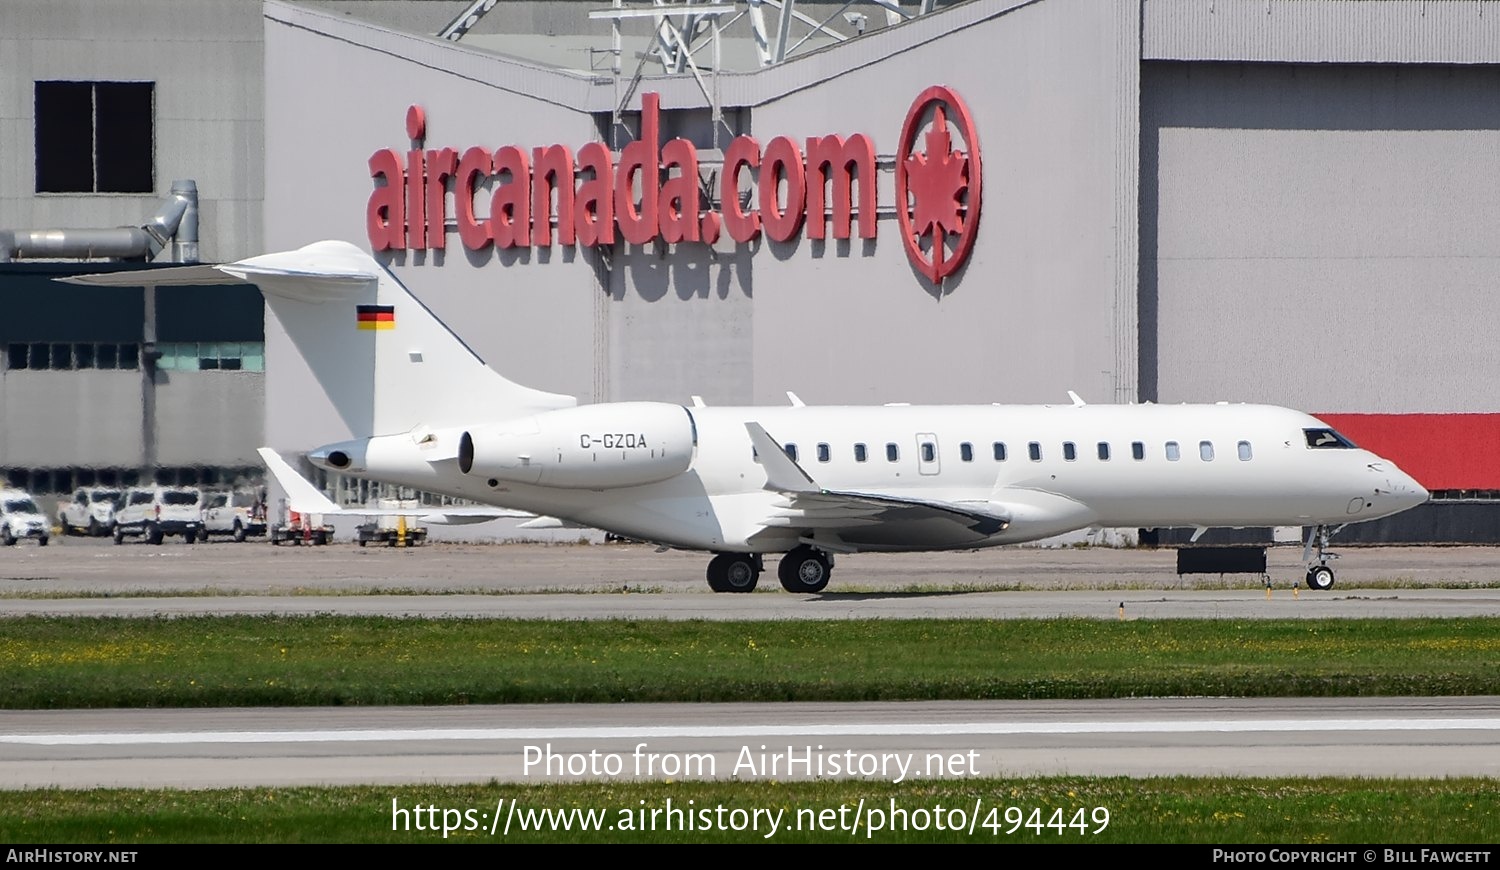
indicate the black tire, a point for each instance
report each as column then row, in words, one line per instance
column 320, row 538
column 239, row 532
column 733, row 572
column 94, row 530
column 42, row 541
column 1320, row 577
column 65, row 529
column 119, row 534
column 363, row 542
column 190, row 536
column 154, row 534
column 6, row 538
column 804, row 570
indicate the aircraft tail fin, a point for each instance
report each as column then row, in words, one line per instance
column 386, row 362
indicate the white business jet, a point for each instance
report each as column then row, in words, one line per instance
column 810, row 482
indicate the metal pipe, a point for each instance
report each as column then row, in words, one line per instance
column 175, row 220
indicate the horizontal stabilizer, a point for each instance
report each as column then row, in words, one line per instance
column 301, row 496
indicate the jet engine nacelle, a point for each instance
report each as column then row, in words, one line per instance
column 588, row 447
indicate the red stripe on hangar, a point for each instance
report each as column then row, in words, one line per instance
column 1442, row 451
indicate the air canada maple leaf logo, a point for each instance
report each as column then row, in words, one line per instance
column 938, row 188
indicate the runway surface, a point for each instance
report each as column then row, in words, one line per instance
column 93, row 577
column 1379, row 737
column 1142, row 737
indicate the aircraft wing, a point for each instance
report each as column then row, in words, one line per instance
column 806, row 505
column 303, row 497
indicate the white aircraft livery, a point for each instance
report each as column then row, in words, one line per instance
column 808, row 481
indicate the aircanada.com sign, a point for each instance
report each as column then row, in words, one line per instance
column 650, row 191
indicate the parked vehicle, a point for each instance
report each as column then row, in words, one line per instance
column 300, row 528
column 154, row 512
column 21, row 518
column 389, row 534
column 90, row 512
column 239, row 514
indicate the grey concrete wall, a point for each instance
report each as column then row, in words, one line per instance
column 63, row 419
column 1320, row 236
column 209, row 418
column 93, row 419
column 205, row 58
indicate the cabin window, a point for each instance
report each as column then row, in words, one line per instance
column 824, row 454
column 892, row 452
column 1244, row 451
column 1035, row 450
column 1206, row 451
column 1138, row 450
column 966, row 452
column 1173, row 454
column 860, row 453
column 791, row 451
column 929, row 451
column 1323, row 439
column 1070, row 452
column 999, row 451
column 1103, row 451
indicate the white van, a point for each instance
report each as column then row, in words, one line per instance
column 21, row 518
column 157, row 511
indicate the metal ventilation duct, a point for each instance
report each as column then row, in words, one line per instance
column 175, row 221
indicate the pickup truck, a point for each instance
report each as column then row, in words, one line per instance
column 239, row 514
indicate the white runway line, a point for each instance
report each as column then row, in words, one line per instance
column 752, row 731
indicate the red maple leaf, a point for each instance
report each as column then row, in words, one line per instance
column 938, row 181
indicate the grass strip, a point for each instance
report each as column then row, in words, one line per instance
column 79, row 662
column 1047, row 810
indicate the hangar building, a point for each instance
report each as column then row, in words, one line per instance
column 1282, row 201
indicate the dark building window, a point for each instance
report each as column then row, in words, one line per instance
column 95, row 137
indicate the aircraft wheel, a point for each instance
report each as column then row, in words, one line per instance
column 733, row 572
column 1320, row 577
column 804, row 570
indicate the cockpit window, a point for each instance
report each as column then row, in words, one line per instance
column 1324, row 439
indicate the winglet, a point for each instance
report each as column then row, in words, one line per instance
column 782, row 474
column 698, row 402
column 796, row 402
column 301, row 495
column 1077, row 402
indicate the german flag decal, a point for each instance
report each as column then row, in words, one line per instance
column 377, row 316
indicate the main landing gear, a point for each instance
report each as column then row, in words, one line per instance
column 1319, row 576
column 804, row 570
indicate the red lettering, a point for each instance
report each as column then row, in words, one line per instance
column 416, row 225
column 679, row 195
column 551, row 172
column 593, row 205
column 743, row 225
column 641, row 158
column 842, row 162
column 782, row 159
column 474, row 232
column 385, row 216
column 510, row 205
column 440, row 166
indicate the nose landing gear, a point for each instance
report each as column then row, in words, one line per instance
column 1320, row 575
